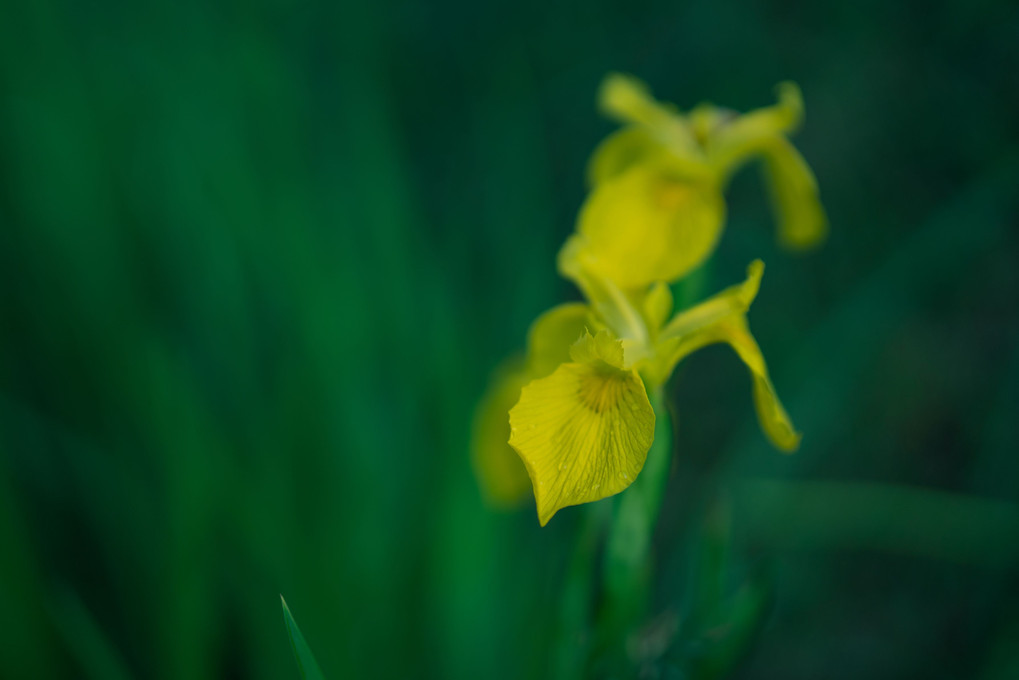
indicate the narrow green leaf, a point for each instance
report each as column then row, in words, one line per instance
column 305, row 659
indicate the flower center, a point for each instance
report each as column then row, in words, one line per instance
column 671, row 195
column 601, row 389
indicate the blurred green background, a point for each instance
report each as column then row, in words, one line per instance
column 258, row 260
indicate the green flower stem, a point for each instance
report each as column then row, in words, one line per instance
column 574, row 635
column 628, row 565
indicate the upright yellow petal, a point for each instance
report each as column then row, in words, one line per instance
column 649, row 225
column 801, row 219
column 597, row 349
column 499, row 470
column 629, row 100
column 657, row 305
column 584, row 431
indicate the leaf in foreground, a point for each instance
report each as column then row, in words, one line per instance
column 305, row 659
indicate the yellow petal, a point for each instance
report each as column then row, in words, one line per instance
column 598, row 349
column 657, row 305
column 770, row 413
column 731, row 301
column 499, row 470
column 648, row 225
column 772, row 417
column 552, row 334
column 620, row 151
column 610, row 303
column 801, row 219
column 629, row 100
column 584, row 431
column 706, row 119
column 746, row 136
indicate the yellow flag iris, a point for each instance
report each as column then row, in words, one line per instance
column 583, row 431
column 580, row 423
column 656, row 210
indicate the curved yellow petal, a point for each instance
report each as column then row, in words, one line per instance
column 746, row 136
column 771, row 415
column 782, row 117
column 649, row 225
column 552, row 334
column 801, row 218
column 762, row 133
column 620, row 151
column 499, row 470
column 629, row 100
column 584, row 431
column 733, row 300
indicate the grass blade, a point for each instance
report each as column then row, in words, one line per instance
column 305, row 659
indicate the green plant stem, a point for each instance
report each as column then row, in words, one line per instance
column 628, row 565
column 575, row 616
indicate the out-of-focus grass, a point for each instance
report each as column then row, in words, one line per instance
column 306, row 662
column 257, row 261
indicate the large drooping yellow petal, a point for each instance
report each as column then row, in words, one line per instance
column 499, row 470
column 553, row 333
column 771, row 415
column 649, row 225
column 584, row 431
column 801, row 219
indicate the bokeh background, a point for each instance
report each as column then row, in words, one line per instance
column 258, row 259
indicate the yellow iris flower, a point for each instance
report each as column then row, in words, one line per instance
column 656, row 209
column 583, row 431
column 580, row 418
column 579, row 414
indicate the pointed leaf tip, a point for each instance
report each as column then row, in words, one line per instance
column 306, row 663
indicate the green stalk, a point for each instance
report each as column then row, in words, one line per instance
column 573, row 644
column 628, row 563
